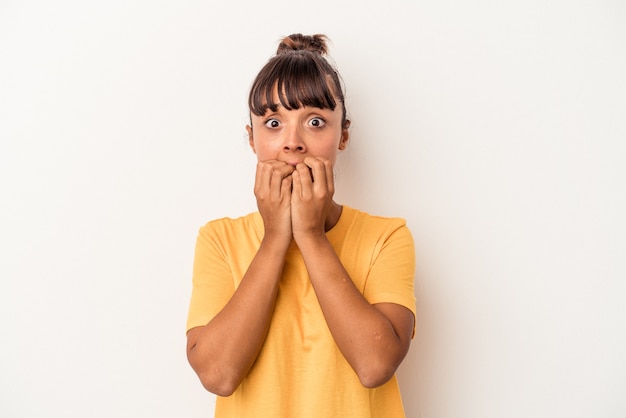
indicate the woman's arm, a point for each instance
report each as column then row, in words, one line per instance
column 223, row 351
column 374, row 339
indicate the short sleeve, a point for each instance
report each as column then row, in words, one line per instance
column 392, row 274
column 212, row 281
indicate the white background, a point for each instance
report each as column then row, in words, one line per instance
column 497, row 129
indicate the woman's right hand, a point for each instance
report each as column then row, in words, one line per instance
column 272, row 189
column 223, row 351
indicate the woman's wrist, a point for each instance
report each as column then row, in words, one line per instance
column 310, row 239
column 276, row 241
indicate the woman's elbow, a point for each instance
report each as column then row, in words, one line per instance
column 218, row 384
column 374, row 376
column 217, row 379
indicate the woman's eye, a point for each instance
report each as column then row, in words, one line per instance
column 317, row 122
column 272, row 123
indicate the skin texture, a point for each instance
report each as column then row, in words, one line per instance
column 294, row 186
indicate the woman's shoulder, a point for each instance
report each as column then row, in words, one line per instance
column 359, row 216
column 359, row 224
column 233, row 225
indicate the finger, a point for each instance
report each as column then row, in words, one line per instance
column 280, row 179
column 296, row 185
column 282, row 168
column 269, row 176
column 330, row 178
column 259, row 175
column 285, row 190
column 262, row 180
column 305, row 180
column 321, row 170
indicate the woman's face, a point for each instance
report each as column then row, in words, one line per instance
column 291, row 135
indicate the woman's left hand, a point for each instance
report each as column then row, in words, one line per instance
column 311, row 197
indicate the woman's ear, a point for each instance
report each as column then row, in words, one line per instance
column 250, row 138
column 345, row 136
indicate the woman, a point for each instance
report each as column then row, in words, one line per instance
column 306, row 307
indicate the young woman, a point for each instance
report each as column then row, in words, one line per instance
column 306, row 307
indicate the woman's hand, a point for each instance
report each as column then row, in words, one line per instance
column 311, row 198
column 272, row 189
column 374, row 339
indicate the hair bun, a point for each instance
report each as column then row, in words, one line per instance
column 299, row 42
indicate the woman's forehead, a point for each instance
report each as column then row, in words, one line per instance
column 279, row 108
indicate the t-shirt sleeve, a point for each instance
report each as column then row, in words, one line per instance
column 392, row 274
column 212, row 282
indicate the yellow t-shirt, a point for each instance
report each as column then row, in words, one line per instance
column 300, row 372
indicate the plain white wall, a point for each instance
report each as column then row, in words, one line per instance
column 497, row 129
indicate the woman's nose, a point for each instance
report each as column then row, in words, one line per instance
column 294, row 141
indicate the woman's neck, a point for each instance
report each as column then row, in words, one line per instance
column 333, row 216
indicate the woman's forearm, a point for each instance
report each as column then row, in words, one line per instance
column 372, row 340
column 223, row 351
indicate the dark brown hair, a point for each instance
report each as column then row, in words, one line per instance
column 301, row 75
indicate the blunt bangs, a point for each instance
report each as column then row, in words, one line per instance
column 298, row 80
